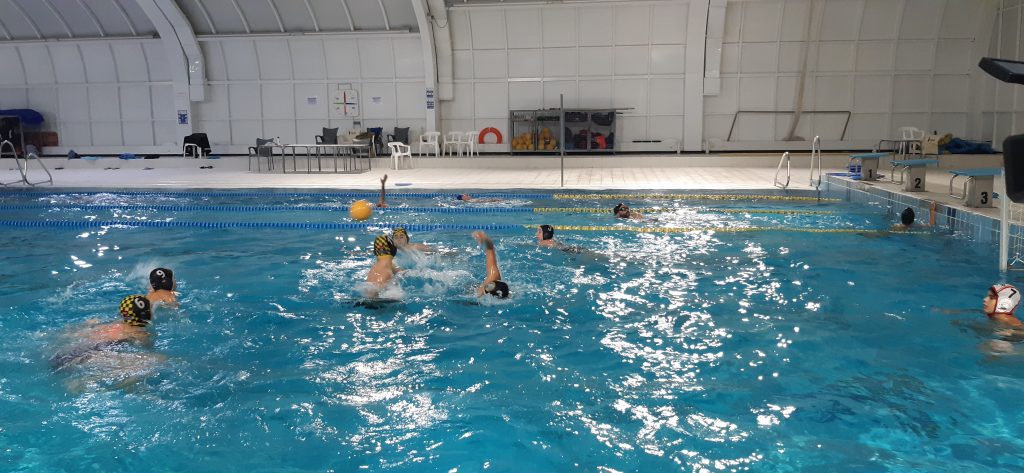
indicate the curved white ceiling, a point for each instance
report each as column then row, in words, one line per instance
column 54, row 19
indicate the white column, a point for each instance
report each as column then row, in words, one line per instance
column 696, row 40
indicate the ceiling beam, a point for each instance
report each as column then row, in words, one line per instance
column 241, row 15
column 206, row 14
column 3, row 29
column 277, row 15
column 348, row 14
column 92, row 16
column 60, row 18
column 384, row 12
column 127, row 19
column 312, row 15
column 28, row 19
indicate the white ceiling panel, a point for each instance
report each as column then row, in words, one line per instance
column 330, row 15
column 259, row 15
column 366, row 14
column 200, row 20
column 295, row 15
column 138, row 17
column 38, row 67
column 114, row 18
column 49, row 23
column 401, row 15
column 223, row 15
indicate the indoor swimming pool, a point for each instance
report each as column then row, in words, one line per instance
column 718, row 333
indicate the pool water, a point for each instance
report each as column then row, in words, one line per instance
column 844, row 349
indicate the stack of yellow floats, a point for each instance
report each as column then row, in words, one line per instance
column 545, row 141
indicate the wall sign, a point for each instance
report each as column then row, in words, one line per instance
column 430, row 98
column 183, row 117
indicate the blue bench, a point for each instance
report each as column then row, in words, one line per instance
column 915, row 181
column 868, row 164
column 977, row 189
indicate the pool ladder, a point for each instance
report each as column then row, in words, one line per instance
column 784, row 160
column 815, row 182
column 23, row 165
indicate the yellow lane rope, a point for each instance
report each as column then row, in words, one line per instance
column 598, row 210
column 690, row 196
column 598, row 228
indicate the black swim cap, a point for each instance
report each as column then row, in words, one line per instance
column 618, row 208
column 136, row 310
column 907, row 216
column 161, row 278
column 547, row 232
column 497, row 289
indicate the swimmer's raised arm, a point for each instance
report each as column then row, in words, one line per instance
column 493, row 272
column 381, row 203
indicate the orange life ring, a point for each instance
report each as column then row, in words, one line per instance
column 487, row 131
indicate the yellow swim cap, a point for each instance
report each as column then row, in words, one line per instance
column 136, row 310
column 383, row 246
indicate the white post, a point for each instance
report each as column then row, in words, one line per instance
column 1004, row 227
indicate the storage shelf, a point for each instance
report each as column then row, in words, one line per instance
column 593, row 130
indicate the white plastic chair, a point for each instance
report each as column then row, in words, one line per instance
column 452, row 140
column 399, row 151
column 430, row 140
column 469, row 142
column 910, row 140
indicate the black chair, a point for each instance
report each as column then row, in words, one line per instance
column 263, row 149
column 377, row 144
column 196, row 145
column 401, row 135
column 329, row 137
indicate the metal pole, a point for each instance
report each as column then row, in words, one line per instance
column 1004, row 228
column 561, row 132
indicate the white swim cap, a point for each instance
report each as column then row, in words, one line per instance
column 1007, row 298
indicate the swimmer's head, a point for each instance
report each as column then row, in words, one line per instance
column 497, row 289
column 136, row 310
column 462, row 197
column 621, row 210
column 161, row 279
column 384, row 247
column 400, row 236
column 907, row 216
column 1002, row 299
column 545, row 232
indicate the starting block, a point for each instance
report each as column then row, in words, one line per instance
column 977, row 189
column 912, row 173
column 868, row 164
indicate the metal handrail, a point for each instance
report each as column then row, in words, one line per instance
column 23, row 167
column 842, row 137
column 785, row 159
column 816, row 157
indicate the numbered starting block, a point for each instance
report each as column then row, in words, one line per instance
column 868, row 164
column 977, row 188
column 912, row 173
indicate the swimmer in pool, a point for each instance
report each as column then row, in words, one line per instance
column 469, row 198
column 164, row 287
column 622, row 211
column 492, row 284
column 380, row 202
column 136, row 313
column 906, row 220
column 999, row 305
column 546, row 239
column 400, row 236
column 384, row 268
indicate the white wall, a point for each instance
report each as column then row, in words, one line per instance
column 260, row 86
column 597, row 54
column 892, row 63
column 94, row 94
column 108, row 96
column 1003, row 109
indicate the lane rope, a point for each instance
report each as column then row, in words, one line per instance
column 692, row 197
column 342, row 195
column 329, row 208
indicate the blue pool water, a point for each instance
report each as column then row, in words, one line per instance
column 704, row 350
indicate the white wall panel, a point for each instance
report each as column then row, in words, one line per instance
column 666, row 97
column 44, row 100
column 240, row 57
column 921, row 19
column 527, row 62
column 458, row 21
column 836, row 56
column 307, row 58
column 215, row 107
column 75, row 134
column 833, row 93
column 559, row 27
column 412, row 100
column 275, row 59
column 875, row 56
column 463, row 68
column 486, row 27
column 138, row 133
column 246, row 131
column 561, row 62
column 106, row 133
column 596, row 93
column 915, row 55
column 762, row 22
column 954, row 56
column 727, row 101
column 759, row 57
column 731, row 58
column 245, row 101
column 462, row 106
column 376, row 58
column 73, row 103
column 99, row 62
column 490, row 100
column 524, row 95
column 911, row 93
column 135, row 105
column 285, row 129
column 632, row 24
column 379, row 100
column 596, row 61
column 318, row 109
column 757, row 93
column 630, row 93
column 955, row 123
column 490, row 64
column 568, row 88
column 664, row 128
column 278, row 100
column 948, row 93
column 131, row 62
column 840, row 19
column 669, row 23
column 631, row 60
column 11, row 73
column 872, row 94
column 733, row 22
column 597, row 26
column 156, row 60
column 342, row 58
column 67, row 64
column 881, row 20
column 524, row 28
column 162, row 97
column 868, row 126
column 13, row 98
column 38, row 67
column 408, row 57
column 794, row 20
column 668, row 59
column 959, row 18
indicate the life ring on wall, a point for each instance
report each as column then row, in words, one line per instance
column 487, row 131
